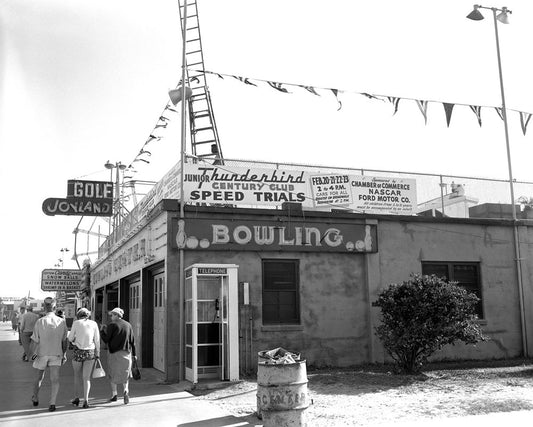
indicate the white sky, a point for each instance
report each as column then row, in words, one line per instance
column 83, row 82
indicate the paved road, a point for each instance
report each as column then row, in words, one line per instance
column 152, row 403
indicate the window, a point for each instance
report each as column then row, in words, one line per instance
column 466, row 274
column 281, row 298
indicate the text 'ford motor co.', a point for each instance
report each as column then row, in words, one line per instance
column 253, row 186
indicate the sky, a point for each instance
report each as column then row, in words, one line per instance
column 83, row 82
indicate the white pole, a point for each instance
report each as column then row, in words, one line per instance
column 182, row 193
column 515, row 226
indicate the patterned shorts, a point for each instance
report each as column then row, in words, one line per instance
column 82, row 355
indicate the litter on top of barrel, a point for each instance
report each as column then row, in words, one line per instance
column 278, row 356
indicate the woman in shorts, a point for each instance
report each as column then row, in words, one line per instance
column 85, row 337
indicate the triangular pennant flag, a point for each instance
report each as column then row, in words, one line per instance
column 141, row 160
column 220, row 76
column 144, row 152
column 278, row 86
column 171, row 109
column 244, row 80
column 499, row 110
column 477, row 111
column 194, row 80
column 151, row 138
column 164, row 125
column 423, row 106
column 394, row 101
column 336, row 93
column 310, row 89
column 448, row 108
column 370, row 96
column 524, row 120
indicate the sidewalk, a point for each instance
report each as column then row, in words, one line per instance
column 152, row 402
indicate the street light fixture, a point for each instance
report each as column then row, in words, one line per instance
column 116, row 202
column 502, row 15
column 61, row 260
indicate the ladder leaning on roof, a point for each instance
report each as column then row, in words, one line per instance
column 204, row 135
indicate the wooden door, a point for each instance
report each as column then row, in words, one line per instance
column 160, row 305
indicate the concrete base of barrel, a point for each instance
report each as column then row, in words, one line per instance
column 291, row 418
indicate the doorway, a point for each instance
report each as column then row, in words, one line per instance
column 160, row 321
column 135, row 299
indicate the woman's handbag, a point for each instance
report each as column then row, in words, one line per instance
column 135, row 371
column 98, row 371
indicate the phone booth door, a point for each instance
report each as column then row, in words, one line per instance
column 211, row 316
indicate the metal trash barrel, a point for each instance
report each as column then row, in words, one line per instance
column 282, row 397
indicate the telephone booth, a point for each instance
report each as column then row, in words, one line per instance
column 211, row 322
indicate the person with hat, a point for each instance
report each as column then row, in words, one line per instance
column 85, row 337
column 27, row 322
column 49, row 347
column 118, row 336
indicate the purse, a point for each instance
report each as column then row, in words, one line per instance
column 135, row 371
column 98, row 371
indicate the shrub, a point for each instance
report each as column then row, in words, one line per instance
column 423, row 314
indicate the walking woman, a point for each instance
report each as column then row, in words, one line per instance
column 118, row 336
column 86, row 339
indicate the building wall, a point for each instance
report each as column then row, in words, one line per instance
column 337, row 289
column 333, row 305
column 404, row 245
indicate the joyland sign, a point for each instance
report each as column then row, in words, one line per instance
column 84, row 198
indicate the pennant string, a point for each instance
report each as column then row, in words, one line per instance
column 422, row 104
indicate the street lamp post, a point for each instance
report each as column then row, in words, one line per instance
column 63, row 254
column 118, row 166
column 502, row 15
